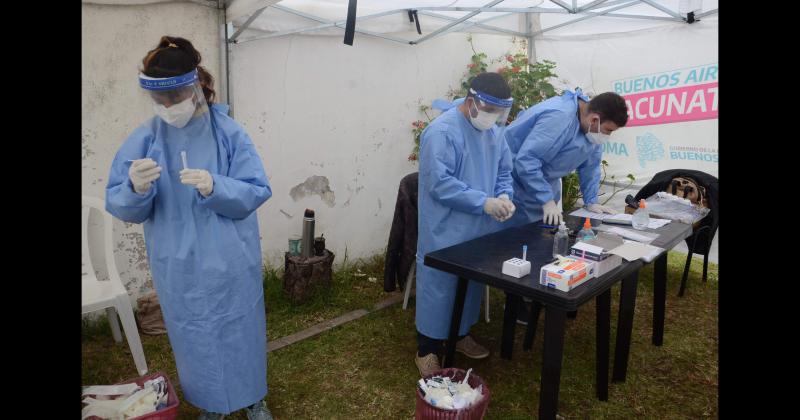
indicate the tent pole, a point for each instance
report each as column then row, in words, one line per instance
column 529, row 22
column 477, row 25
column 224, row 77
column 586, row 17
column 453, row 24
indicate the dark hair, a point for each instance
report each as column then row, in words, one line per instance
column 491, row 84
column 175, row 56
column 610, row 106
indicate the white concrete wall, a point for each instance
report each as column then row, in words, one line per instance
column 313, row 107
column 114, row 41
column 316, row 107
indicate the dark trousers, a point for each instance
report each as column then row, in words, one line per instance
column 427, row 345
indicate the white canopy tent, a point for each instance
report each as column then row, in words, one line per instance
column 386, row 18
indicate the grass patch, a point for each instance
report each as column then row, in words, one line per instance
column 365, row 369
column 350, row 290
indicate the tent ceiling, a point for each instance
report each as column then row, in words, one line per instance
column 389, row 19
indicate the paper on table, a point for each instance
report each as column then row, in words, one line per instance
column 645, row 237
column 582, row 212
column 621, row 218
column 606, row 240
column 654, row 251
column 653, row 224
column 657, row 223
column 631, row 251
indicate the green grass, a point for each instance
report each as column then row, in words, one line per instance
column 350, row 290
column 365, row 369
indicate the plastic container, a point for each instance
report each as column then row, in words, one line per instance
column 586, row 233
column 641, row 217
column 474, row 412
column 294, row 244
column 561, row 241
column 170, row 412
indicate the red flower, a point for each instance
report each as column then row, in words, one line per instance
column 510, row 58
column 412, row 157
column 515, row 69
column 471, row 65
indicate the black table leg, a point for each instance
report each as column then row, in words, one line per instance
column 659, row 298
column 554, row 320
column 509, row 322
column 603, row 304
column 627, row 304
column 533, row 320
column 455, row 322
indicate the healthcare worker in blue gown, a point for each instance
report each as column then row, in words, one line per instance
column 553, row 138
column 550, row 140
column 464, row 192
column 192, row 175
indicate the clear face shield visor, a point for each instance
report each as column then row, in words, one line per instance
column 485, row 105
column 176, row 100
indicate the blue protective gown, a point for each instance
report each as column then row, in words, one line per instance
column 204, row 253
column 459, row 168
column 547, row 143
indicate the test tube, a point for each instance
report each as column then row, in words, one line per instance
column 524, row 252
column 183, row 157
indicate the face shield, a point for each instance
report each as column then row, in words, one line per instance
column 176, row 100
column 486, row 110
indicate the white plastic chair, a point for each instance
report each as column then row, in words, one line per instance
column 110, row 295
column 410, row 282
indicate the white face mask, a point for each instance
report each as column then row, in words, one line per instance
column 484, row 120
column 598, row 137
column 177, row 115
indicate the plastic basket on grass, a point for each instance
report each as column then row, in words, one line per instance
column 475, row 411
column 169, row 412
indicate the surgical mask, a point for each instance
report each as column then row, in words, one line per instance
column 598, row 137
column 484, row 120
column 177, row 115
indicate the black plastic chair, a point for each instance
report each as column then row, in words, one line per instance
column 700, row 240
column 705, row 251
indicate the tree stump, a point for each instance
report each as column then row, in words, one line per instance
column 302, row 277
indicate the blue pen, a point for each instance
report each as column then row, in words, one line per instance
column 524, row 252
column 547, row 226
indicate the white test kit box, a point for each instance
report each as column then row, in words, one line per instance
column 567, row 273
column 516, row 267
